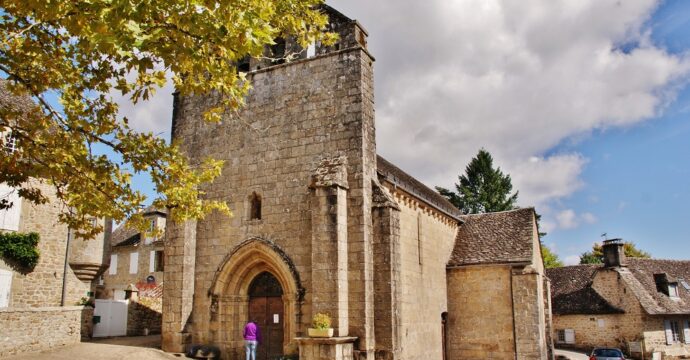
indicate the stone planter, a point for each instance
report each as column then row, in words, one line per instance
column 320, row 332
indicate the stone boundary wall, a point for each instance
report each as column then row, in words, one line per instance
column 38, row 329
column 144, row 316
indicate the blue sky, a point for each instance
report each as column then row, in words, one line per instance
column 637, row 182
column 585, row 104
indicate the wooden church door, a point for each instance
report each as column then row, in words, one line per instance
column 266, row 309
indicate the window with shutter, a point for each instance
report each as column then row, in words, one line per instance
column 133, row 263
column 675, row 330
column 669, row 332
column 160, row 261
column 569, row 336
column 152, row 226
column 9, row 218
column 5, row 287
column 672, row 329
column 113, row 265
column 561, row 336
column 686, row 332
column 10, row 143
column 152, row 261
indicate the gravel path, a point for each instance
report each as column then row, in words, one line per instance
column 140, row 348
column 570, row 355
column 148, row 348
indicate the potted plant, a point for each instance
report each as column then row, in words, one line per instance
column 321, row 326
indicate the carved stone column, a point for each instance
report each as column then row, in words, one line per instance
column 387, row 263
column 329, row 242
column 178, row 292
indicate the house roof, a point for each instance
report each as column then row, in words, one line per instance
column 127, row 236
column 572, row 292
column 495, row 238
column 401, row 179
column 17, row 105
column 130, row 241
column 639, row 276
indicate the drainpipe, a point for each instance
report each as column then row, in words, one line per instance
column 512, row 305
column 64, row 272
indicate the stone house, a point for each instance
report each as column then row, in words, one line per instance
column 39, row 306
column 500, row 295
column 135, row 273
column 645, row 302
column 323, row 225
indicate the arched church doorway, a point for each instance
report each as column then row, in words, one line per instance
column 266, row 308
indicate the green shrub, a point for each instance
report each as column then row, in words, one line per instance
column 86, row 301
column 21, row 248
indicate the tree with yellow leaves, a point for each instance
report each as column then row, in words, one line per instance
column 83, row 51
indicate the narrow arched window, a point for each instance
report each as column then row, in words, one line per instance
column 255, row 207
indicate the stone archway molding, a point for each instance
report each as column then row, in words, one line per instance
column 250, row 258
column 229, row 292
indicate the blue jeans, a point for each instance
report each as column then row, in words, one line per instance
column 250, row 349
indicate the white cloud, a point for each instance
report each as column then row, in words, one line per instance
column 153, row 115
column 567, row 219
column 543, row 179
column 571, row 260
column 516, row 78
column 589, row 218
column 546, row 225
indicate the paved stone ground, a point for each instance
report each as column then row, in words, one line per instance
column 140, row 348
column 570, row 355
column 148, row 348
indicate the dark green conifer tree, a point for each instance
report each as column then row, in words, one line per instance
column 482, row 188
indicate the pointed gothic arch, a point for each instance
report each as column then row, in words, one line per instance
column 230, row 288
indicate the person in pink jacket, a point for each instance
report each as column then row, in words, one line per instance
column 252, row 338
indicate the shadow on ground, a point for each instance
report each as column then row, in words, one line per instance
column 139, row 347
column 151, row 341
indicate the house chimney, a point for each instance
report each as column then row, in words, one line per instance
column 614, row 254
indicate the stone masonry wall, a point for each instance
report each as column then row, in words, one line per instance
column 144, row 316
column 611, row 287
column 529, row 306
column 480, row 313
column 590, row 330
column 296, row 115
column 426, row 241
column 607, row 329
column 528, row 312
column 122, row 278
column 38, row 329
column 655, row 337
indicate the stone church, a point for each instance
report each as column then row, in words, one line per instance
column 323, row 225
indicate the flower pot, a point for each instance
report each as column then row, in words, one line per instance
column 320, row 332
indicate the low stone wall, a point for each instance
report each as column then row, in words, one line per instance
column 142, row 314
column 335, row 348
column 38, row 329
